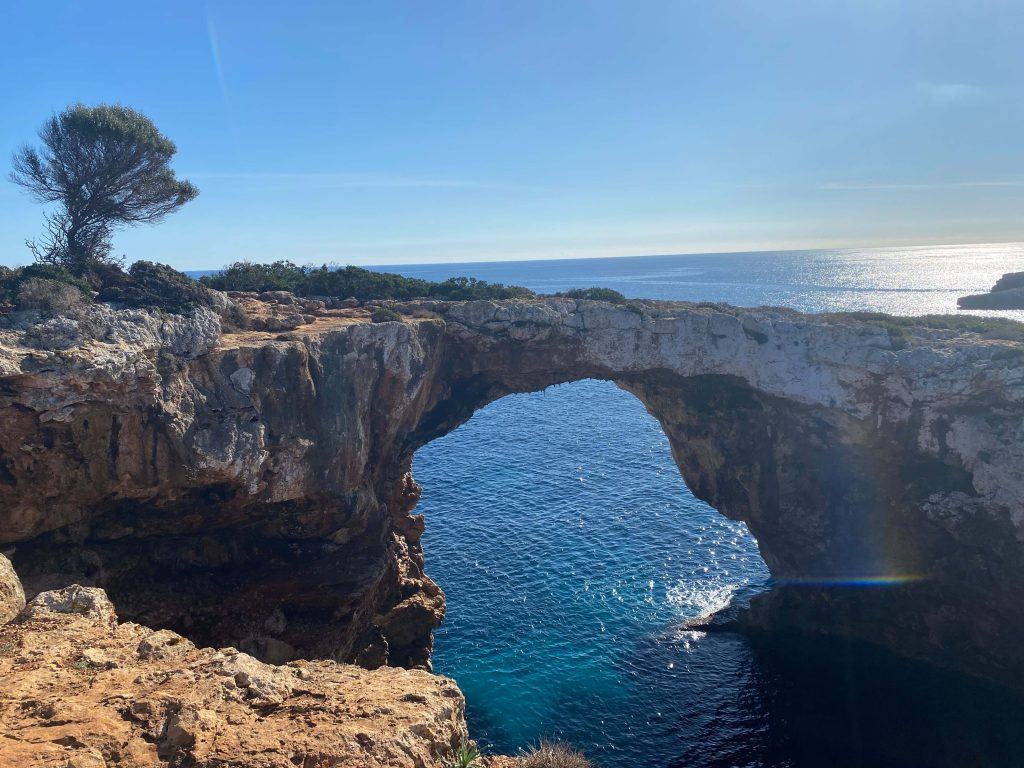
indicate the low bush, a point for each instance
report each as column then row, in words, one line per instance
column 362, row 284
column 246, row 276
column 553, row 754
column 50, row 272
column 47, row 295
column 385, row 315
column 43, row 287
column 148, row 284
column 52, row 288
column 469, row 288
column 595, row 294
column 343, row 282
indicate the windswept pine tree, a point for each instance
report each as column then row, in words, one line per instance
column 104, row 167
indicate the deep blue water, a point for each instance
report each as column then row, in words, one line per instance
column 571, row 551
column 903, row 281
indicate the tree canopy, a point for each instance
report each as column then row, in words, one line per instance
column 106, row 167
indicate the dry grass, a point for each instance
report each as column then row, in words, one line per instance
column 552, row 754
column 49, row 296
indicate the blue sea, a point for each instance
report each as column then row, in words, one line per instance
column 572, row 553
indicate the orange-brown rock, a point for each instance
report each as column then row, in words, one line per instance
column 80, row 690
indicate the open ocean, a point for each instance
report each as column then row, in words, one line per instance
column 571, row 551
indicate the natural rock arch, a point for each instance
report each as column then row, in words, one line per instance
column 254, row 489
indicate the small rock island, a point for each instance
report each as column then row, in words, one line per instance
column 1007, row 293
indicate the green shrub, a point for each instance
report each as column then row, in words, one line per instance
column 48, row 295
column 466, row 756
column 51, row 272
column 595, row 294
column 246, row 276
column 343, row 282
column 552, row 754
column 44, row 292
column 360, row 283
column 469, row 288
column 146, row 284
column 385, row 315
column 156, row 285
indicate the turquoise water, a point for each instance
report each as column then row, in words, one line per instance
column 571, row 553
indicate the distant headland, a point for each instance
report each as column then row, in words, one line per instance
column 1007, row 293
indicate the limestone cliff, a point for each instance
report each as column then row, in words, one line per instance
column 252, row 488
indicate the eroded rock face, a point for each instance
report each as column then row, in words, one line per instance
column 81, row 690
column 258, row 493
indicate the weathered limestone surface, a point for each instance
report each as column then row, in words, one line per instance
column 253, row 489
column 81, row 691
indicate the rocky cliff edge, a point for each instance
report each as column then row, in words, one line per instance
column 242, row 477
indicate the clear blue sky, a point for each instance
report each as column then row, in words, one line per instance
column 393, row 132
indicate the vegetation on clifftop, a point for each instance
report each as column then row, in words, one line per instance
column 595, row 294
column 147, row 284
column 996, row 328
column 102, row 168
column 45, row 287
column 350, row 281
column 553, row 754
column 385, row 315
column 466, row 756
column 53, row 288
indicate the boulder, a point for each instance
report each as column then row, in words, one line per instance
column 12, row 595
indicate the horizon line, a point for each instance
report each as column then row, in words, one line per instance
column 627, row 256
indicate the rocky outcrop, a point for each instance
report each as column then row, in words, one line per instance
column 254, row 489
column 1007, row 293
column 12, row 595
column 82, row 691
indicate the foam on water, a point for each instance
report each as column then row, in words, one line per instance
column 697, row 601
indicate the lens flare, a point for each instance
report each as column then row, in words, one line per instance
column 874, row 580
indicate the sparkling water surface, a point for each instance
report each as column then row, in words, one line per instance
column 571, row 553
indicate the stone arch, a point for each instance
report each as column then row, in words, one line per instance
column 273, row 509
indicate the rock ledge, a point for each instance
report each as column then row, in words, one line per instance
column 80, row 690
